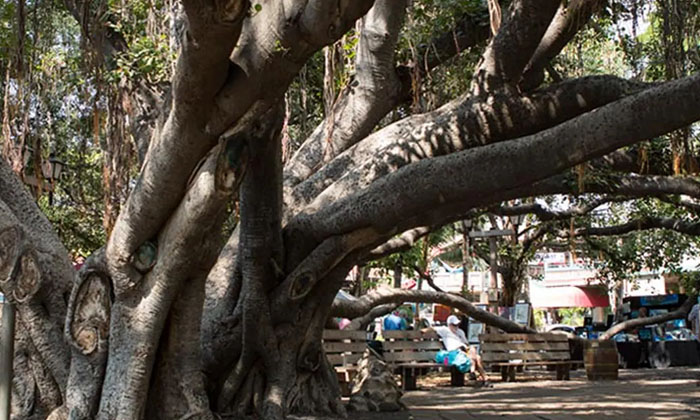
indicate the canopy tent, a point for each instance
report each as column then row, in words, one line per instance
column 568, row 297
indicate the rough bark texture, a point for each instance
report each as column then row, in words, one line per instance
column 147, row 338
column 384, row 296
column 366, row 101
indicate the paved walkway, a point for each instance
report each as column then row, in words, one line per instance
column 638, row 394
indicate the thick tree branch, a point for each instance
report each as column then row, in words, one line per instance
column 365, row 101
column 141, row 309
column 403, row 242
column 213, row 30
column 261, row 255
column 513, row 46
column 275, row 44
column 371, row 300
column 686, row 202
column 430, row 183
column 681, row 312
column 379, row 87
column 22, row 283
column 53, row 255
column 87, row 332
column 569, row 19
column 645, row 223
column 631, row 185
column 456, row 126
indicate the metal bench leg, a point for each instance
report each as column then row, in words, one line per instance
column 408, row 379
column 456, row 377
column 504, row 373
column 567, row 372
column 511, row 373
column 560, row 372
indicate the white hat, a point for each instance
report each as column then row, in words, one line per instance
column 452, row 320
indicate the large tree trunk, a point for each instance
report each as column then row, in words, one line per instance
column 161, row 323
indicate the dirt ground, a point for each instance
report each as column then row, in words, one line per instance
column 671, row 393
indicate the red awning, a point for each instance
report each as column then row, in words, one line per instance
column 568, row 297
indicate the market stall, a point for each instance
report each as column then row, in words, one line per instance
column 656, row 346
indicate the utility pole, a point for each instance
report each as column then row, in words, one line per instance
column 492, row 292
column 493, row 266
column 466, row 249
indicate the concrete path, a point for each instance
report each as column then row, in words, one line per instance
column 638, row 394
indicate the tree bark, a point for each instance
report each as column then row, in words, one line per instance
column 383, row 296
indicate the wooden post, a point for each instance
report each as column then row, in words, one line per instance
column 7, row 350
column 493, row 286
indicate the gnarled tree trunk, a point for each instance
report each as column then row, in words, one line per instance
column 165, row 323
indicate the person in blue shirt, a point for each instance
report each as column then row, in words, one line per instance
column 394, row 322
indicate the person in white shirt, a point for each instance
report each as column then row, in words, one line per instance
column 453, row 338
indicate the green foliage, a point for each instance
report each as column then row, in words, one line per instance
column 571, row 316
column 142, row 23
column 426, row 20
column 148, row 58
column 76, row 211
column 418, row 256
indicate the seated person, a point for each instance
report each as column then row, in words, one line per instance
column 453, row 338
column 394, row 322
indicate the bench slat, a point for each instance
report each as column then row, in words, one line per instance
column 405, row 356
column 337, row 359
column 344, row 335
column 411, row 345
column 408, row 335
column 340, row 347
column 502, row 356
column 535, row 363
column 421, row 365
column 490, row 346
column 530, row 338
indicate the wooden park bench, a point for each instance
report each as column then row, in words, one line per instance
column 408, row 353
column 510, row 351
column 344, row 349
column 412, row 353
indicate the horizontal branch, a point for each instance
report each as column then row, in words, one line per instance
column 454, row 127
column 545, row 214
column 644, row 223
column 357, row 308
column 472, row 176
column 403, row 242
column 681, row 201
column 681, row 312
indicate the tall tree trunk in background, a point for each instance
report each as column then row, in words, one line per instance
column 398, row 273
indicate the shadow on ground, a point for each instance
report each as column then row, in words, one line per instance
column 670, row 393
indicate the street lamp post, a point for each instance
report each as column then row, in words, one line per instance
column 51, row 170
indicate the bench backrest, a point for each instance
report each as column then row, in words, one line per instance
column 525, row 347
column 344, row 347
column 410, row 346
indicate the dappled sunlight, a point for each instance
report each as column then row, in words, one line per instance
column 639, row 394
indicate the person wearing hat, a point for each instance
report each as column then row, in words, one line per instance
column 453, row 339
